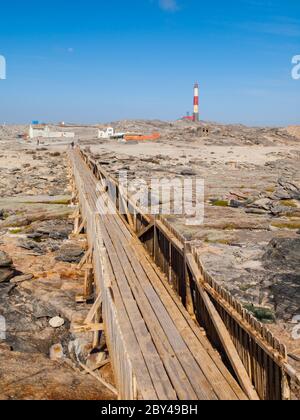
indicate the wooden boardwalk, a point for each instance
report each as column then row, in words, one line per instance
column 158, row 350
column 169, row 355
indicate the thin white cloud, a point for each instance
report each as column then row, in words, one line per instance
column 169, row 5
column 283, row 27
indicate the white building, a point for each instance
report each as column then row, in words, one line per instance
column 106, row 134
column 44, row 131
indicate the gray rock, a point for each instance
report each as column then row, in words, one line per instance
column 256, row 211
column 55, row 230
column 70, row 253
column 188, row 172
column 277, row 210
column 5, row 260
column 262, row 203
column 35, row 236
column 291, row 187
column 236, row 204
column 281, row 194
column 31, row 246
column 6, row 274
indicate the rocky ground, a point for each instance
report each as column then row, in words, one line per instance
column 39, row 280
column 249, row 239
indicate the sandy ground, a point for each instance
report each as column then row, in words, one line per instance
column 257, row 155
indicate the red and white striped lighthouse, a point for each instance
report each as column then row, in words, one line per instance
column 196, row 102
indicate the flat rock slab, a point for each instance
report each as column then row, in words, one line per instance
column 36, row 199
column 35, row 377
column 21, row 279
column 283, row 254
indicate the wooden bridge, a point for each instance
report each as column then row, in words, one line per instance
column 171, row 330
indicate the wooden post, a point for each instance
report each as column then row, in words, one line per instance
column 155, row 241
column 188, row 296
column 285, row 387
column 88, row 278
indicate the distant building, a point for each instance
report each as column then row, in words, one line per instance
column 106, row 134
column 36, row 131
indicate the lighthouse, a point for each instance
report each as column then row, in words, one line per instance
column 196, row 103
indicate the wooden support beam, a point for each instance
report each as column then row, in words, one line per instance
column 124, row 203
column 88, row 282
column 78, row 229
column 145, row 230
column 100, row 365
column 223, row 334
column 177, row 244
column 76, row 224
column 188, row 295
column 96, row 306
column 84, row 328
column 84, row 258
column 97, row 335
column 285, row 387
column 75, row 214
column 99, row 378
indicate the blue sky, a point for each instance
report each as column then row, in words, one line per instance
column 95, row 61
